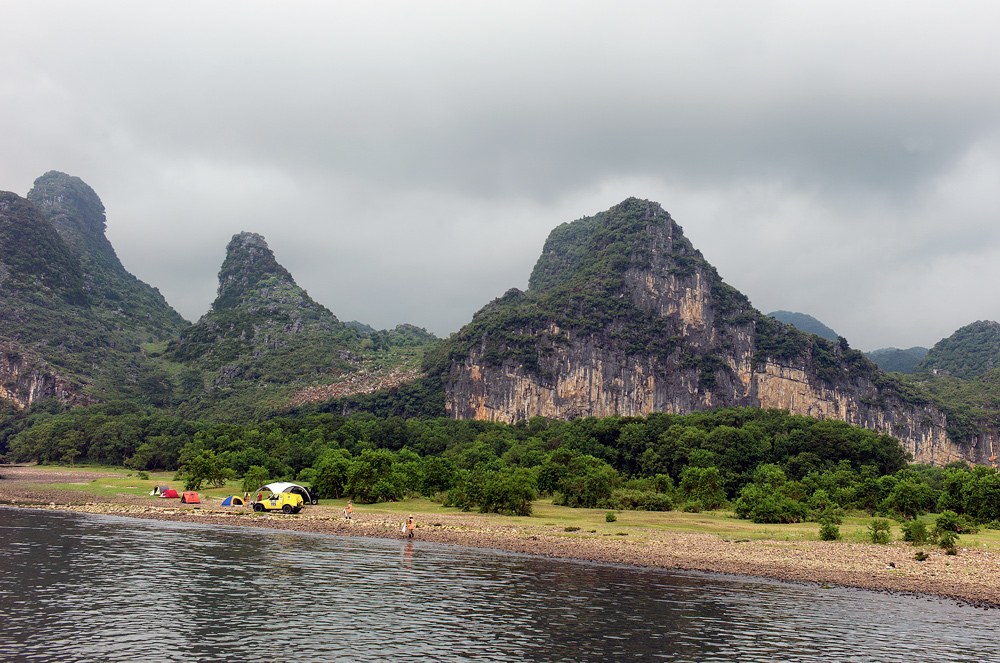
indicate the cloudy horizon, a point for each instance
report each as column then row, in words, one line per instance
column 406, row 161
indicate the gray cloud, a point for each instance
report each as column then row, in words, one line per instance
column 406, row 161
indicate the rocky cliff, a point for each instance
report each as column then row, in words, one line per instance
column 623, row 316
column 71, row 317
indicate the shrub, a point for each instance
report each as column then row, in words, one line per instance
column 829, row 531
column 703, row 484
column 879, row 531
column 638, row 500
column 920, row 556
column 915, row 531
column 143, row 476
column 948, row 542
column 952, row 522
column 610, row 517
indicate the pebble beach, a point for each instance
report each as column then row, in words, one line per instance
column 972, row 576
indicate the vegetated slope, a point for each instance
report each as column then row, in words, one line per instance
column 894, row 360
column 55, row 339
column 262, row 333
column 804, row 322
column 77, row 214
column 267, row 347
column 969, row 353
column 624, row 316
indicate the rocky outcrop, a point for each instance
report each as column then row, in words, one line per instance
column 25, row 381
column 663, row 333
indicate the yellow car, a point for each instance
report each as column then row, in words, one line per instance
column 286, row 502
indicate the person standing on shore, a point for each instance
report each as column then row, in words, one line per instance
column 410, row 524
column 349, row 510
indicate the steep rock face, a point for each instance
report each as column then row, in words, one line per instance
column 624, row 317
column 24, row 382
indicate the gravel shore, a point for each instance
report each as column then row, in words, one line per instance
column 972, row 576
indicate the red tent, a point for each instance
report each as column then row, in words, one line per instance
column 190, row 498
column 169, row 493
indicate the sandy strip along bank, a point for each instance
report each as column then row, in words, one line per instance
column 972, row 576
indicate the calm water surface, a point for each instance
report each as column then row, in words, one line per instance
column 77, row 587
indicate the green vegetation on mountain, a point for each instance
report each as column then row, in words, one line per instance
column 116, row 296
column 36, row 266
column 588, row 282
column 48, row 321
column 265, row 339
column 894, row 360
column 804, row 322
column 968, row 353
column 579, row 285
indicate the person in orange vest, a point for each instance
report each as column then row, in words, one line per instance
column 349, row 510
column 409, row 527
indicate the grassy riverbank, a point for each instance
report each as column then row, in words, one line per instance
column 712, row 541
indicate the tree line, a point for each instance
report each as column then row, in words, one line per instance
column 766, row 465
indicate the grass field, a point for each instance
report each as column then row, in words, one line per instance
column 545, row 515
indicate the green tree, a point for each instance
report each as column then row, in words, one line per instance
column 704, row 486
column 255, row 477
column 206, row 467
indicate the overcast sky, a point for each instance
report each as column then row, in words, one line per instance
column 406, row 160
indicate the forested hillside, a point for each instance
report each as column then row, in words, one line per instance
column 969, row 353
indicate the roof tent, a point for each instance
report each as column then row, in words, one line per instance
column 286, row 487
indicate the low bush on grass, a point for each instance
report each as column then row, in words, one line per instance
column 879, row 531
column 828, row 531
column 915, row 532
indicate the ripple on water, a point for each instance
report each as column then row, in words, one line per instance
column 78, row 587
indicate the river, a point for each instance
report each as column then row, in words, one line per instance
column 81, row 587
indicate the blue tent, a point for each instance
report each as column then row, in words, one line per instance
column 233, row 500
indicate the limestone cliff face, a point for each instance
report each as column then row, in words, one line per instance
column 25, row 381
column 677, row 339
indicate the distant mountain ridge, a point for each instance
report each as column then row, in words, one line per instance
column 894, row 360
column 806, row 323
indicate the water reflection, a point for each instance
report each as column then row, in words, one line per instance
column 82, row 588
